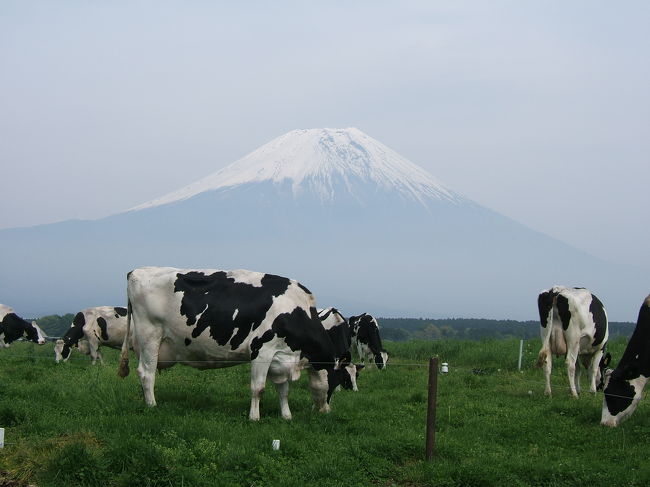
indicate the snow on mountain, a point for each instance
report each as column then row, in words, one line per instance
column 317, row 161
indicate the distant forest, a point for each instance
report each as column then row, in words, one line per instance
column 404, row 329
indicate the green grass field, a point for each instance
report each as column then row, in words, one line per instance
column 75, row 424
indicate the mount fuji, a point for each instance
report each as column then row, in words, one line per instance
column 362, row 227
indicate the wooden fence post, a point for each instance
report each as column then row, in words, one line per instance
column 431, row 409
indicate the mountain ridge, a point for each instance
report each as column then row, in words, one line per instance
column 310, row 159
column 377, row 248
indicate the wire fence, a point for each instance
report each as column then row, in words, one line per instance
column 478, row 371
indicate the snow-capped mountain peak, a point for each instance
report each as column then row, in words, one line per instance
column 323, row 162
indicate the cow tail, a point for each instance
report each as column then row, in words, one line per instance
column 123, row 370
column 546, row 342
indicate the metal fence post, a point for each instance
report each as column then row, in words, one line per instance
column 521, row 352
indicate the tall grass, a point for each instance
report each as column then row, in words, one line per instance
column 78, row 425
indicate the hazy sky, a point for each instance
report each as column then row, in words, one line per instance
column 537, row 109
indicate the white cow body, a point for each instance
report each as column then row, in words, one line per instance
column 367, row 341
column 91, row 329
column 573, row 324
column 212, row 319
column 12, row 327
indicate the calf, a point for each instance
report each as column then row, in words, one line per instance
column 624, row 385
column 573, row 324
column 13, row 327
column 364, row 332
column 211, row 319
column 93, row 327
column 338, row 330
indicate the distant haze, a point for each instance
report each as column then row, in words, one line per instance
column 538, row 111
column 364, row 228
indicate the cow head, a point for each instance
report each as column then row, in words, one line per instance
column 623, row 391
column 344, row 376
column 349, row 373
column 34, row 333
column 381, row 359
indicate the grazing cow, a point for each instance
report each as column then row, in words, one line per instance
column 212, row 319
column 102, row 325
column 12, row 327
column 338, row 330
column 574, row 325
column 624, row 385
column 365, row 337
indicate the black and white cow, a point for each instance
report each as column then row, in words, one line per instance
column 624, row 385
column 364, row 330
column 212, row 318
column 13, row 327
column 338, row 330
column 573, row 324
column 90, row 329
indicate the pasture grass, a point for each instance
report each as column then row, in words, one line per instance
column 75, row 424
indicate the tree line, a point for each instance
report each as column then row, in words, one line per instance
column 404, row 329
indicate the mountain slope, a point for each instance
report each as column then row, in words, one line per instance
column 360, row 226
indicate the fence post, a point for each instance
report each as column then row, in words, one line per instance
column 2, row 437
column 431, row 409
column 521, row 352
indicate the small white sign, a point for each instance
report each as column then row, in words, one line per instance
column 276, row 444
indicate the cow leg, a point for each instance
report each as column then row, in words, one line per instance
column 147, row 367
column 318, row 386
column 571, row 364
column 99, row 356
column 548, row 368
column 576, row 376
column 93, row 347
column 283, row 394
column 259, row 370
column 593, row 370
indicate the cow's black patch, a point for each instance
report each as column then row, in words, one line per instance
column 600, row 319
column 14, row 327
column 339, row 334
column 257, row 342
column 231, row 310
column 305, row 333
column 103, row 328
column 304, row 288
column 119, row 311
column 187, row 342
column 368, row 333
column 544, row 305
column 74, row 334
column 563, row 310
column 618, row 395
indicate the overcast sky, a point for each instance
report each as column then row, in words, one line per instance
column 537, row 109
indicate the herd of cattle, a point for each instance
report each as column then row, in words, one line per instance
column 212, row 319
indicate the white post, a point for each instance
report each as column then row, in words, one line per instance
column 521, row 352
column 2, row 437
